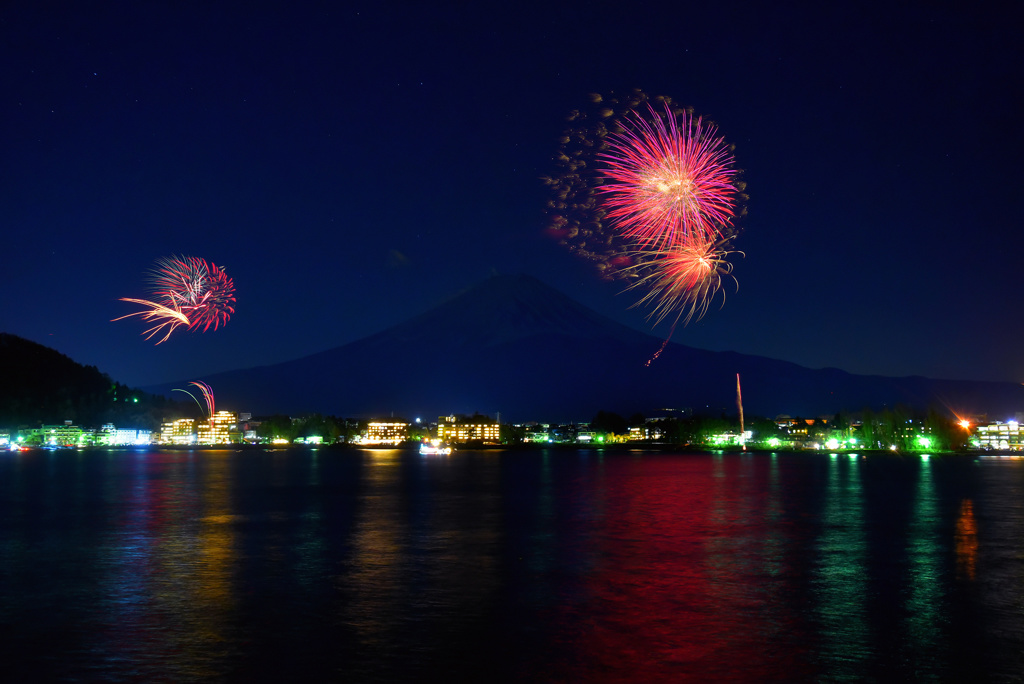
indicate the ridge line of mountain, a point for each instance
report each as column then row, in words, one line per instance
column 514, row 345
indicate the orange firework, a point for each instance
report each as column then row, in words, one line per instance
column 684, row 278
column 170, row 316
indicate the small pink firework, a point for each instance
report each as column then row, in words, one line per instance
column 186, row 291
column 200, row 289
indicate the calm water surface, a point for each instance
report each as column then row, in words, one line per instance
column 509, row 566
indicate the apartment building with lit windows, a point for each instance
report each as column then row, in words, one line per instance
column 1003, row 436
column 386, row 433
column 181, row 431
column 112, row 436
column 455, row 430
column 66, row 435
column 218, row 429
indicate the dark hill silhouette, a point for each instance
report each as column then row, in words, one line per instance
column 40, row 385
column 516, row 346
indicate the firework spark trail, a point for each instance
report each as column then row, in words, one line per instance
column 669, row 179
column 178, row 389
column 207, row 396
column 207, row 393
column 171, row 316
column 739, row 403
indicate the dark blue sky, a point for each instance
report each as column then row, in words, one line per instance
column 352, row 165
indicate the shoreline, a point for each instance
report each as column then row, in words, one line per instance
column 604, row 448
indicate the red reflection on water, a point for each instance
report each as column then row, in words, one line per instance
column 687, row 579
column 167, row 592
column 966, row 541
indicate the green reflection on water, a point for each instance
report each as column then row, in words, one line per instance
column 924, row 604
column 840, row 577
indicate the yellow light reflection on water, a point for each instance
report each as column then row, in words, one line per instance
column 170, row 565
column 405, row 547
column 216, row 543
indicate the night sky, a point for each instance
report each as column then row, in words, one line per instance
column 353, row 165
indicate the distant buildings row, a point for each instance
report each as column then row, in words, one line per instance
column 227, row 427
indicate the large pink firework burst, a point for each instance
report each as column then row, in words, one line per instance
column 651, row 194
column 669, row 179
column 198, row 288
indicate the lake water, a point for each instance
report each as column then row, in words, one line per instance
column 558, row 566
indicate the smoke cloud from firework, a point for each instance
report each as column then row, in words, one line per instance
column 203, row 292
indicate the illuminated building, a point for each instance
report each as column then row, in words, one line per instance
column 537, row 434
column 217, row 430
column 730, row 438
column 111, row 436
column 62, row 435
column 999, row 435
column 181, row 431
column 800, row 430
column 386, row 433
column 646, row 432
column 453, row 430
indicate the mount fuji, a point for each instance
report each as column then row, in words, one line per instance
column 515, row 346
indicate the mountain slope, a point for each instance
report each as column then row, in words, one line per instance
column 516, row 346
column 40, row 385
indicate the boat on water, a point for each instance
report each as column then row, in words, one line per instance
column 435, row 448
